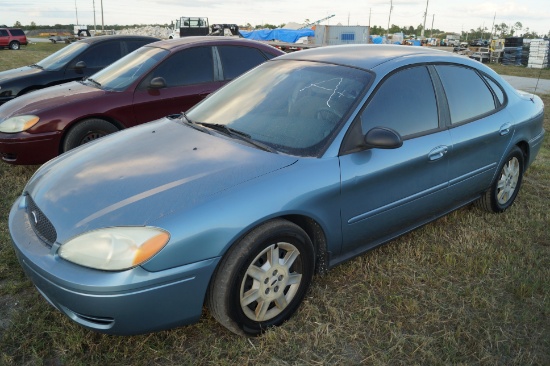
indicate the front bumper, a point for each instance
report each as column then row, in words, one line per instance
column 129, row 302
column 26, row 149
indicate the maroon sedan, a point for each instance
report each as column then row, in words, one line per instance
column 159, row 79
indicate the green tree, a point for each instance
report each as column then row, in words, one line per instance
column 394, row 29
column 17, row 24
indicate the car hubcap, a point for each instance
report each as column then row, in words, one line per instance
column 508, row 181
column 91, row 136
column 271, row 282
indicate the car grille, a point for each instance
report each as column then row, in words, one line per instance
column 40, row 223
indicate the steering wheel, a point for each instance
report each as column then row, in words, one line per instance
column 328, row 115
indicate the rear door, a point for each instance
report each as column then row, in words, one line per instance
column 236, row 60
column 481, row 129
column 189, row 78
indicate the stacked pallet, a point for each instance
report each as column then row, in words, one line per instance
column 538, row 54
column 513, row 49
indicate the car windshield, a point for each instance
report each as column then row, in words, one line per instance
column 119, row 75
column 295, row 107
column 60, row 58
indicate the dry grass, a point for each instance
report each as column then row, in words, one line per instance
column 470, row 288
column 520, row 71
column 27, row 55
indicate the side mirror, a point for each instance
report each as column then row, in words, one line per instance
column 80, row 65
column 383, row 138
column 157, row 83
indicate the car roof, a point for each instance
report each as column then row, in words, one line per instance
column 98, row 39
column 365, row 56
column 182, row 42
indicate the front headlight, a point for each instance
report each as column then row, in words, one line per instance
column 18, row 123
column 115, row 248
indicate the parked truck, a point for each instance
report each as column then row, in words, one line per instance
column 190, row 26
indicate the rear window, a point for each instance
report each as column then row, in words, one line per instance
column 237, row 60
column 17, row 32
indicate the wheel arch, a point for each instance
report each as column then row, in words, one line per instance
column 317, row 236
column 72, row 124
column 524, row 147
column 29, row 89
column 312, row 228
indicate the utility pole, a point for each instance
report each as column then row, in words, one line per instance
column 424, row 26
column 370, row 12
column 102, row 24
column 389, row 16
column 76, row 10
column 493, row 26
column 95, row 27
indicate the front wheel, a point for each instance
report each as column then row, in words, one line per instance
column 505, row 188
column 86, row 131
column 262, row 280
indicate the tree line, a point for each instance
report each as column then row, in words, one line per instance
column 502, row 30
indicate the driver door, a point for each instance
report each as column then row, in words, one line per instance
column 388, row 191
column 189, row 77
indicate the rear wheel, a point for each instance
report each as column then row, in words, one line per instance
column 262, row 280
column 86, row 131
column 14, row 45
column 505, row 188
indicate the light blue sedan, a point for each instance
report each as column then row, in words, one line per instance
column 300, row 164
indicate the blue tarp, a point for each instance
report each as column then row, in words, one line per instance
column 279, row 34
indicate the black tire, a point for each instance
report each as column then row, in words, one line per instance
column 28, row 91
column 14, row 45
column 278, row 289
column 507, row 183
column 86, row 131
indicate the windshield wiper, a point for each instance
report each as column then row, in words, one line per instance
column 94, row 82
column 189, row 122
column 37, row 66
column 238, row 134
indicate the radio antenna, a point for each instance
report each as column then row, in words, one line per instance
column 537, row 85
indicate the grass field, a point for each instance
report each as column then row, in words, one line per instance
column 470, row 288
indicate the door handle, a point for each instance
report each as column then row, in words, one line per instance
column 438, row 152
column 505, row 129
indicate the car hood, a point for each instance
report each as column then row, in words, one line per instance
column 19, row 73
column 137, row 176
column 45, row 99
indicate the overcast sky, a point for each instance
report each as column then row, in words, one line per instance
column 448, row 15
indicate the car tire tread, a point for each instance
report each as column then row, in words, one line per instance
column 221, row 293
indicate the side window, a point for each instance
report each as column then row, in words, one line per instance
column 237, row 60
column 468, row 96
column 3, row 33
column 100, row 55
column 405, row 102
column 187, row 67
column 496, row 88
column 17, row 32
